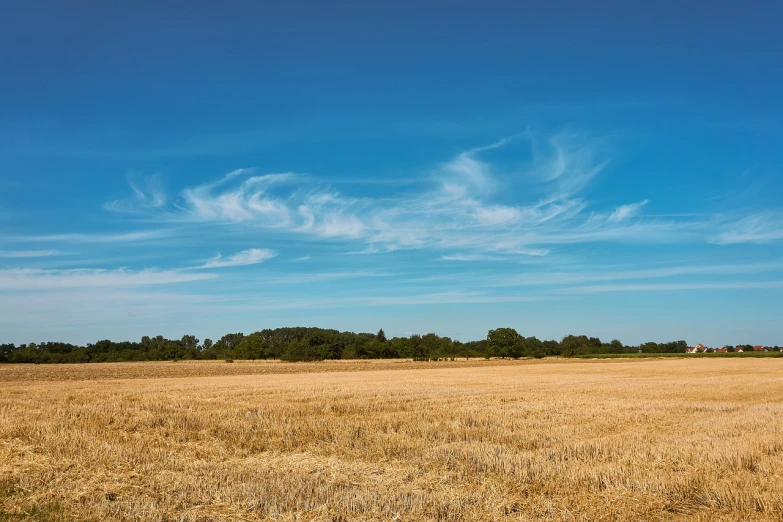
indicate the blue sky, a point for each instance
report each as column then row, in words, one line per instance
column 430, row 166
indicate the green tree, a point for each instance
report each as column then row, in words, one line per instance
column 535, row 347
column 190, row 345
column 5, row 352
column 417, row 348
column 650, row 347
column 506, row 342
column 572, row 345
column 349, row 352
column 430, row 344
column 228, row 342
column 252, row 346
column 173, row 350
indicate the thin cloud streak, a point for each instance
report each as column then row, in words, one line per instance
column 624, row 212
column 435, row 298
column 564, row 278
column 28, row 253
column 560, row 278
column 39, row 279
column 764, row 227
column 119, row 237
column 252, row 256
column 670, row 287
column 147, row 194
column 461, row 213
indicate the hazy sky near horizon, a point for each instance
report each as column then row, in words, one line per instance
column 612, row 169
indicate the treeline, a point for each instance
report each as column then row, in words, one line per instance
column 314, row 344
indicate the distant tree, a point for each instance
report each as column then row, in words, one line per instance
column 373, row 349
column 304, row 343
column 552, row 347
column 173, row 350
column 650, row 347
column 506, row 342
column 190, row 346
column 431, row 345
column 535, row 348
column 251, row 346
column 417, row 348
column 189, row 342
column 228, row 342
column 5, row 352
column 297, row 351
column 349, row 352
column 572, row 345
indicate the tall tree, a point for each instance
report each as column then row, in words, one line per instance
column 506, row 342
column 572, row 345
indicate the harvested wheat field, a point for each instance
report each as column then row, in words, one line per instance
column 479, row 440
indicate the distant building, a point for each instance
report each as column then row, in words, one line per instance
column 699, row 348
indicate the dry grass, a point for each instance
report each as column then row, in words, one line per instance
column 586, row 440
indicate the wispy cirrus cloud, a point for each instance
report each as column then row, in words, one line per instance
column 624, row 212
column 623, row 274
column 251, row 200
column 472, row 257
column 116, row 237
column 461, row 211
column 28, row 253
column 759, row 227
column 148, row 193
column 485, row 257
column 407, row 299
column 252, row 256
column 39, row 279
column 670, row 287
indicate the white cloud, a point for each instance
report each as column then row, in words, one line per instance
column 496, row 215
column 116, row 237
column 468, row 204
column 670, row 287
column 412, row 299
column 620, row 274
column 244, row 258
column 28, row 253
column 37, row 279
column 473, row 257
column 764, row 227
column 251, row 200
column 624, row 212
column 148, row 193
column 568, row 162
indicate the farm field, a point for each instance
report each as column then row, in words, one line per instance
column 647, row 439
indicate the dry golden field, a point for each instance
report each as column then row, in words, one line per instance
column 480, row 440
